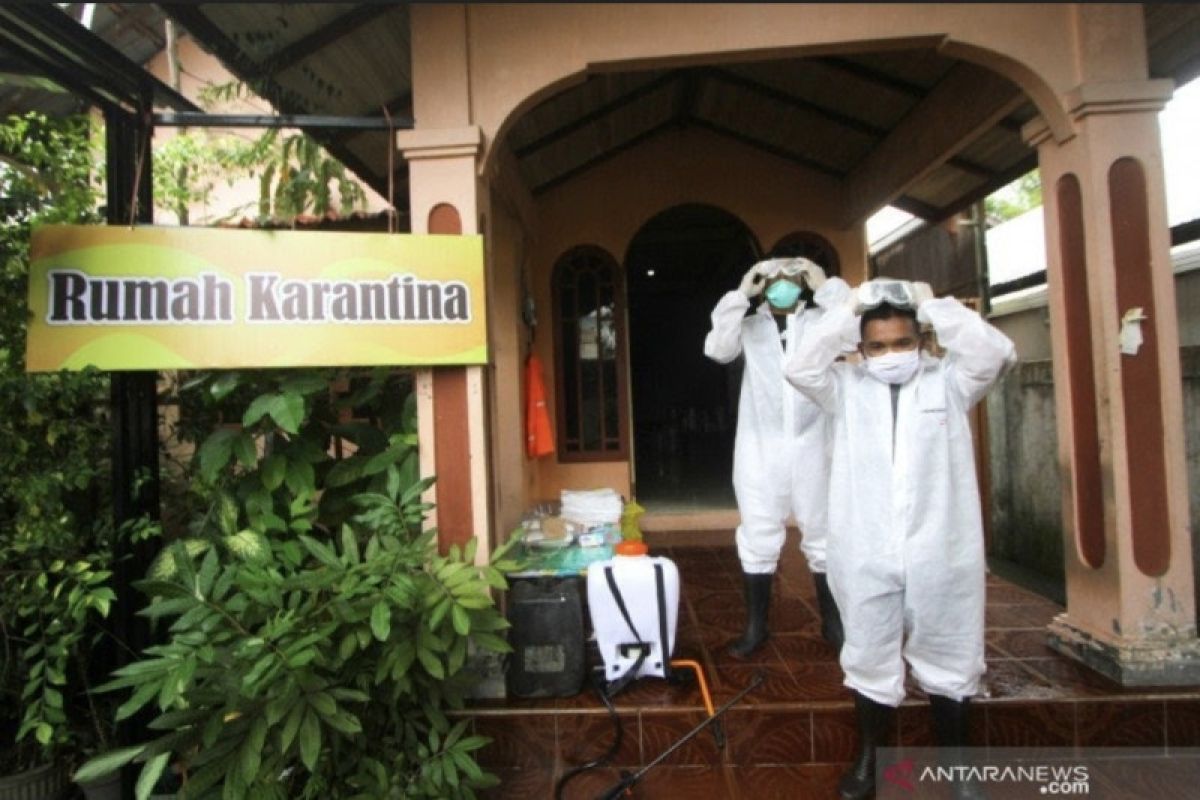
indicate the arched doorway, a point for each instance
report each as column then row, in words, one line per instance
column 813, row 246
column 684, row 405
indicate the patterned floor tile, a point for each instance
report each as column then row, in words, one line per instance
column 589, row 737
column 586, row 785
column 1183, row 723
column 666, row 781
column 1030, row 725
column 1116, row 723
column 769, row 737
column 792, row 781
column 1166, row 777
column 777, row 685
column 804, row 648
column 521, row 784
column 526, row 742
column 835, row 736
column 662, row 733
column 818, row 680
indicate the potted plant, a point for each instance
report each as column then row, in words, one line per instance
column 313, row 636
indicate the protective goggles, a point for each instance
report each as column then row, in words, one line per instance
column 786, row 267
column 882, row 290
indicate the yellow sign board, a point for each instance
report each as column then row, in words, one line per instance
column 123, row 298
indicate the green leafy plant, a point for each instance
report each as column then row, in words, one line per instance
column 295, row 175
column 1013, row 200
column 314, row 637
column 55, row 555
column 55, row 531
column 299, row 177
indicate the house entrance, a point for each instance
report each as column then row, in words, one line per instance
column 684, row 405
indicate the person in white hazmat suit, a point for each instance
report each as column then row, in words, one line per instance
column 905, row 553
column 781, row 455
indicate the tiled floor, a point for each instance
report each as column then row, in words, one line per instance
column 793, row 735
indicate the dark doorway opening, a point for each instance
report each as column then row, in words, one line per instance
column 684, row 405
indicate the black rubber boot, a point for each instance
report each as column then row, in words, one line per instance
column 758, row 599
column 951, row 728
column 874, row 724
column 831, row 618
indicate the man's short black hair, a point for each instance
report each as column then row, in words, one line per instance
column 886, row 311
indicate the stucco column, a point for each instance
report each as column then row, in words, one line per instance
column 1130, row 602
column 443, row 152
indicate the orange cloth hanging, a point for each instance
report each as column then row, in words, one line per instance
column 539, row 436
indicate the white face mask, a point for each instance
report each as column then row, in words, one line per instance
column 895, row 367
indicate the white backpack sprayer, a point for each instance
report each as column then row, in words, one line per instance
column 633, row 599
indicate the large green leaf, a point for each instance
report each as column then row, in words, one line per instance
column 381, row 621
column 150, row 774
column 249, row 545
column 431, row 663
column 258, row 409
column 250, row 755
column 224, row 383
column 106, row 763
column 245, row 450
column 462, row 622
column 273, row 470
column 287, row 734
column 301, row 477
column 310, row 740
column 321, row 551
column 216, row 451
column 288, row 411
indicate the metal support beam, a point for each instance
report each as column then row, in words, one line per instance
column 135, row 417
column 305, row 121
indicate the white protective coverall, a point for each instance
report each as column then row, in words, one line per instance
column 905, row 555
column 781, row 450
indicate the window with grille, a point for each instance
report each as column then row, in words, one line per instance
column 589, row 316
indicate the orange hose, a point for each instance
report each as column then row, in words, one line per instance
column 699, row 670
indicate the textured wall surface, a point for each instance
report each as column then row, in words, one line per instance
column 1025, row 510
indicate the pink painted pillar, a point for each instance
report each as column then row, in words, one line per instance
column 446, row 197
column 1130, row 599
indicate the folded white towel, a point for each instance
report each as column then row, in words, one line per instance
column 592, row 507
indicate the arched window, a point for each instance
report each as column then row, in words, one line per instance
column 589, row 316
column 813, row 246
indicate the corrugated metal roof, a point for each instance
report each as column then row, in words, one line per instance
column 52, row 63
column 135, row 30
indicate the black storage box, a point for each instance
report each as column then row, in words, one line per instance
column 546, row 637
